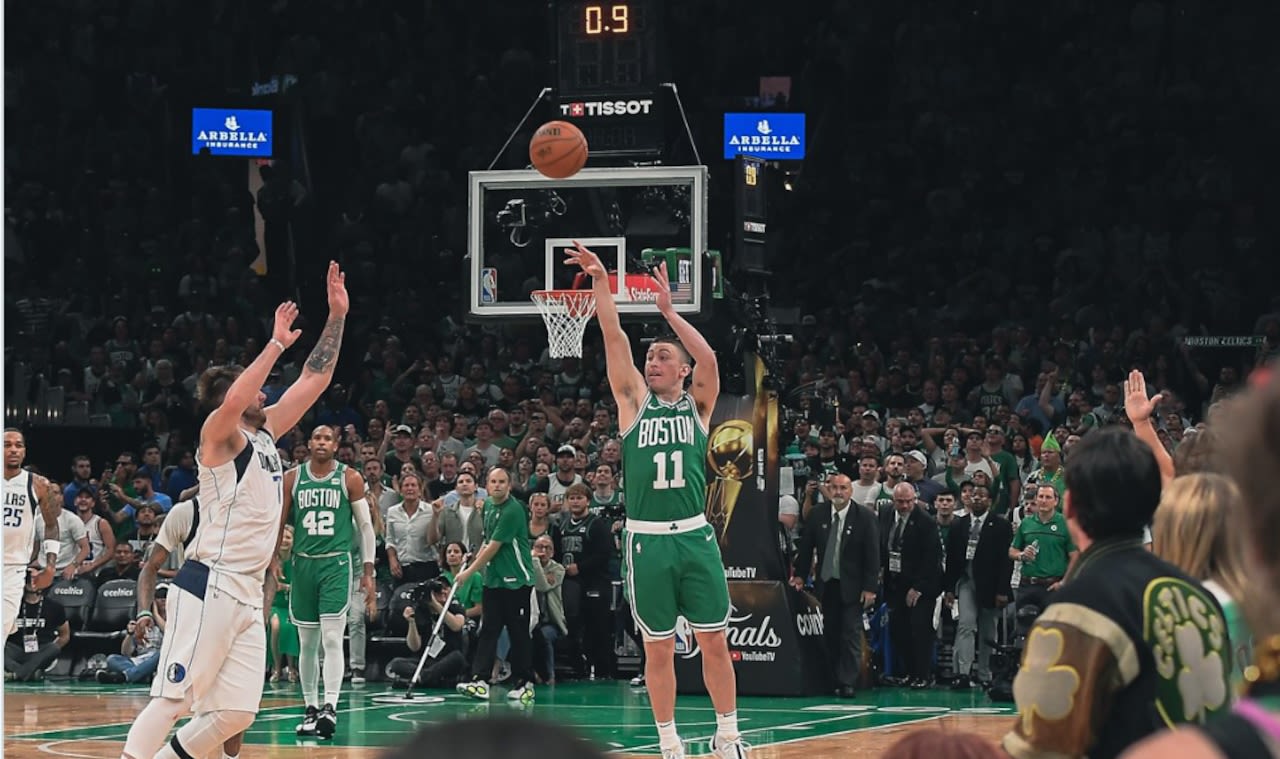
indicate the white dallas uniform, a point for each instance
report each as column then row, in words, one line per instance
column 21, row 509
column 215, row 643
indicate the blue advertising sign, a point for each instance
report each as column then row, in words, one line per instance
column 231, row 131
column 771, row 136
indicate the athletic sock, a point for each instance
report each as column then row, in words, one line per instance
column 727, row 725
column 667, row 737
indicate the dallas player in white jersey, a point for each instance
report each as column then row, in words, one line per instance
column 24, row 492
column 215, row 647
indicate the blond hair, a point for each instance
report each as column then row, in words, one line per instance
column 1251, row 454
column 1196, row 529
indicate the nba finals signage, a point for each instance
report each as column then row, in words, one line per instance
column 231, row 132
column 775, row 634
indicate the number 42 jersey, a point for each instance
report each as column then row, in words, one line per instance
column 323, row 522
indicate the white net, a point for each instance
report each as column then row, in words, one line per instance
column 566, row 313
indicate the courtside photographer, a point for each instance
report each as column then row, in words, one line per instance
column 446, row 652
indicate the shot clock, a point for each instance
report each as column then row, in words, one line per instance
column 609, row 67
column 607, row 48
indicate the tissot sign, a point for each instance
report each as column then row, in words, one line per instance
column 231, row 132
column 771, row 136
column 594, row 108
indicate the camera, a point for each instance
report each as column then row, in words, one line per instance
column 424, row 590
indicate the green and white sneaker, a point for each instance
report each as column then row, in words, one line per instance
column 522, row 695
column 477, row 689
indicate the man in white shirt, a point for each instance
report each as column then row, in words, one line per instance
column 866, row 491
column 73, row 544
column 411, row 556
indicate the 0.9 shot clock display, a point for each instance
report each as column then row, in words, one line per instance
column 607, row 47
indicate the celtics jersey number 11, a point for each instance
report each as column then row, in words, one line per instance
column 322, row 517
column 664, row 461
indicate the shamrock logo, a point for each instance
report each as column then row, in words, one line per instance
column 1188, row 641
column 1043, row 686
column 1201, row 682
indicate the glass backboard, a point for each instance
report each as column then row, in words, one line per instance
column 521, row 223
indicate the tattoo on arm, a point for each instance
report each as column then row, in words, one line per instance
column 325, row 353
column 49, row 508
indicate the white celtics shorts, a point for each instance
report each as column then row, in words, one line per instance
column 215, row 646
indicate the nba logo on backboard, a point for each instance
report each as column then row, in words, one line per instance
column 488, row 285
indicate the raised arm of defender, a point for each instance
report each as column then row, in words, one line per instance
column 220, row 437
column 625, row 380
column 318, row 370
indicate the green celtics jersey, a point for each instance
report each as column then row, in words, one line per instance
column 508, row 524
column 323, row 522
column 664, row 456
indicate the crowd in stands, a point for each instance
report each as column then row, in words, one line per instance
column 1006, row 210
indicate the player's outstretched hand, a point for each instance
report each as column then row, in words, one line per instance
column 336, row 282
column 584, row 258
column 1137, row 406
column 664, row 288
column 41, row 578
column 283, row 330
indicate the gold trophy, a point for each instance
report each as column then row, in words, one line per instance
column 731, row 455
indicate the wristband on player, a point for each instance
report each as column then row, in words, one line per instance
column 143, row 613
column 276, row 343
column 51, row 547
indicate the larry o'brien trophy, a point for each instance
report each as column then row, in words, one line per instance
column 731, row 456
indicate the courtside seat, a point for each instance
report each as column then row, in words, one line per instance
column 112, row 610
column 396, row 626
column 76, row 597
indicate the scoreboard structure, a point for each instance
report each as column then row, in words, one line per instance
column 609, row 68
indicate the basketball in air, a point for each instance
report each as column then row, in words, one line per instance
column 558, row 149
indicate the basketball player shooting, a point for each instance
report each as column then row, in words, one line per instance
column 671, row 560
column 212, row 656
column 24, row 492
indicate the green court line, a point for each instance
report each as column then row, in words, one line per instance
column 611, row 714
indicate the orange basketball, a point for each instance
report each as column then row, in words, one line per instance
column 558, row 149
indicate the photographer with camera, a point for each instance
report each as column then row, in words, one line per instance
column 446, row 654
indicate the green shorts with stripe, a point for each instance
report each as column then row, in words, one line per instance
column 675, row 575
column 320, row 588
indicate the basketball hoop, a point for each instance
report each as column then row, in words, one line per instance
column 566, row 313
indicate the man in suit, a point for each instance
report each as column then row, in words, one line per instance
column 847, row 541
column 978, row 572
column 912, row 552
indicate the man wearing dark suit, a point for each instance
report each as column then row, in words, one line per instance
column 978, row 572
column 912, row 552
column 847, row 541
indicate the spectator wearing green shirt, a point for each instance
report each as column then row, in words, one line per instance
column 1045, row 548
column 1050, row 472
column 508, row 590
column 1009, row 480
column 471, row 595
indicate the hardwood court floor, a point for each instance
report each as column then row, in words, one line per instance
column 90, row 721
